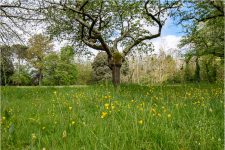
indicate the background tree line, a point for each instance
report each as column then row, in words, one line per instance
column 38, row 64
column 106, row 26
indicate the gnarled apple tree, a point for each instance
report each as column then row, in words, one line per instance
column 113, row 26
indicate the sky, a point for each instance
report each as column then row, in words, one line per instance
column 170, row 37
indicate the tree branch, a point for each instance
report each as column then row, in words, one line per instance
column 138, row 41
column 141, row 39
column 209, row 17
column 153, row 17
column 97, row 34
column 124, row 35
column 93, row 45
column 219, row 8
column 82, row 6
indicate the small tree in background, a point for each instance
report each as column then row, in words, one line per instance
column 84, row 73
column 67, row 54
column 6, row 60
column 21, row 76
column 101, row 71
column 60, row 69
column 39, row 47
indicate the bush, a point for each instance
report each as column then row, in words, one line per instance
column 21, row 77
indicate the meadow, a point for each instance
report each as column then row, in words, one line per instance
column 181, row 117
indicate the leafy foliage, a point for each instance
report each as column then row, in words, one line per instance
column 203, row 22
column 58, row 69
column 106, row 25
column 84, row 73
column 101, row 70
column 21, row 77
column 39, row 47
column 7, row 68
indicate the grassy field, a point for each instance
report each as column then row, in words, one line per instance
column 185, row 117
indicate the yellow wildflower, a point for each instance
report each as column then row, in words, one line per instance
column 140, row 122
column 153, row 110
column 70, row 108
column 141, row 109
column 210, row 109
column 73, row 122
column 64, row 134
column 103, row 115
column 129, row 106
column 169, row 115
column 106, row 106
column 33, row 136
column 112, row 106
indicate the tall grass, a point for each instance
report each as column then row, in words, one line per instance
column 96, row 117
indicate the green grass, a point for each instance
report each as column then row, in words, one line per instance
column 96, row 117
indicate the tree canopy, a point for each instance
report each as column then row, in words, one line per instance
column 115, row 27
column 203, row 22
column 39, row 46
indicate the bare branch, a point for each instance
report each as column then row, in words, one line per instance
column 209, row 17
column 153, row 17
column 141, row 39
column 219, row 8
column 93, row 45
column 124, row 35
column 138, row 41
column 82, row 6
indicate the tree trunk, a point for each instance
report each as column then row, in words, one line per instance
column 115, row 63
column 197, row 71
column 138, row 76
column 40, row 77
column 116, row 74
column 207, row 72
column 3, row 67
column 19, row 67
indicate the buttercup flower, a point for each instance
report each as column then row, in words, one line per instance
column 103, row 114
column 112, row 106
column 33, row 136
column 73, row 122
column 140, row 122
column 106, row 106
column 64, row 134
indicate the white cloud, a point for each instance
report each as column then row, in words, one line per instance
column 168, row 43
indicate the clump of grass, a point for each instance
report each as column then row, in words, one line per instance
column 97, row 117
